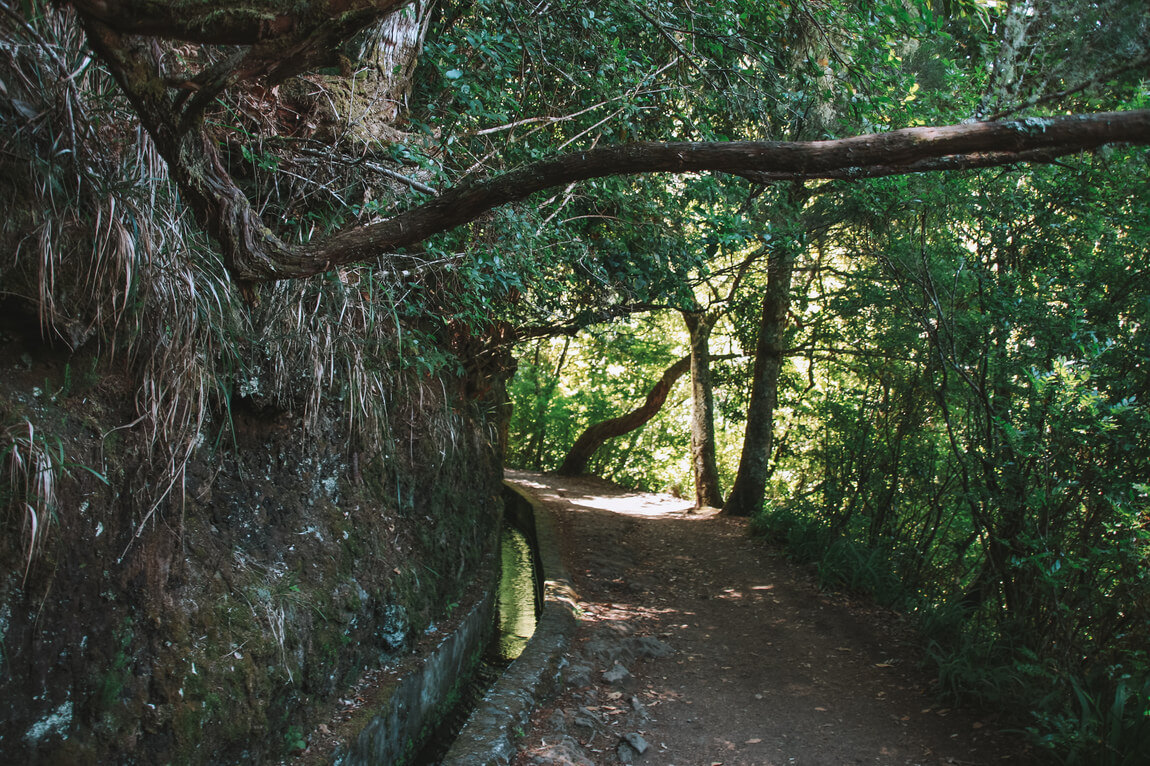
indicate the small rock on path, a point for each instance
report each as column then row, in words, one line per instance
column 698, row 644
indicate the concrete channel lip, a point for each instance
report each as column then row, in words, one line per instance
column 489, row 736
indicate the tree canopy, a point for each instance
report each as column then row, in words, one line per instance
column 917, row 230
column 288, row 38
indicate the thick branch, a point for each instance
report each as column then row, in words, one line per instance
column 595, row 435
column 952, row 147
column 285, row 37
column 252, row 253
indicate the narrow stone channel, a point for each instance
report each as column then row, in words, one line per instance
column 516, row 614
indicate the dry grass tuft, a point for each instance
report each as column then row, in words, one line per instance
column 31, row 472
column 106, row 255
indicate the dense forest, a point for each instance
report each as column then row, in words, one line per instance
column 876, row 275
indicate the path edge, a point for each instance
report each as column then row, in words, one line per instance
column 490, row 735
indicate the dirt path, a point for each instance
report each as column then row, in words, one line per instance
column 700, row 645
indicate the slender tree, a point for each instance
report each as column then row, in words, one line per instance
column 749, row 489
column 704, row 463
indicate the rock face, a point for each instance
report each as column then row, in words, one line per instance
column 207, row 624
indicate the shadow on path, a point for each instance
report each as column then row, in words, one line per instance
column 700, row 645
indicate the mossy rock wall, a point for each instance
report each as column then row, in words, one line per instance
column 280, row 565
column 426, row 692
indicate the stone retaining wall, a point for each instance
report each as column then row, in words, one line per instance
column 413, row 707
column 489, row 737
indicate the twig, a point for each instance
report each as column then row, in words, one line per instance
column 376, row 167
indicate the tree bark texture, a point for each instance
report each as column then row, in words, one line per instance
column 747, row 494
column 283, row 38
column 594, row 437
column 391, row 47
column 708, row 490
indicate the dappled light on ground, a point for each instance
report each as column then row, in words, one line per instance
column 612, row 498
column 635, row 505
column 702, row 645
column 623, row 613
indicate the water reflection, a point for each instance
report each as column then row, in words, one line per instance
column 516, row 602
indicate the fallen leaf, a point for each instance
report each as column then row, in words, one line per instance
column 754, row 741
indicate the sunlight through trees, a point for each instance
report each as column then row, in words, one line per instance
column 873, row 274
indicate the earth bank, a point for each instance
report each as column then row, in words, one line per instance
column 210, row 619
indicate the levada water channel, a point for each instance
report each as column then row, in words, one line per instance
column 516, row 612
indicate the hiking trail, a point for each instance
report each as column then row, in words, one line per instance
column 698, row 644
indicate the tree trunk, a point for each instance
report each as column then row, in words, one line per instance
column 598, row 433
column 387, row 53
column 708, row 491
column 750, row 486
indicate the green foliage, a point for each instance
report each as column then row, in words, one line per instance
column 969, row 423
column 1107, row 722
column 294, row 740
column 842, row 561
column 603, row 375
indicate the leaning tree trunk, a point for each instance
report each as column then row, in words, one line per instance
column 708, row 491
column 598, row 433
column 750, row 486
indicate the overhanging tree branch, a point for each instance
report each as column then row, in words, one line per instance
column 904, row 151
column 252, row 253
